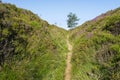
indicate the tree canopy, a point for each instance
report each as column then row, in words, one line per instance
column 72, row 20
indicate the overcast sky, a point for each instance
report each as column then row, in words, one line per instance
column 56, row 11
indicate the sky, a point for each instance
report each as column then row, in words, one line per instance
column 56, row 11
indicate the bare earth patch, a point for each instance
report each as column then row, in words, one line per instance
column 68, row 60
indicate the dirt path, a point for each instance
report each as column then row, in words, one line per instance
column 68, row 60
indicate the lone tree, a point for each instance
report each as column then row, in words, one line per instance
column 72, row 20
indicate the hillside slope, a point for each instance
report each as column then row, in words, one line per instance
column 30, row 48
column 96, row 48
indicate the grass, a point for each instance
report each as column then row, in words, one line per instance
column 96, row 48
column 32, row 49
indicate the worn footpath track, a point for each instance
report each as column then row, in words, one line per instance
column 68, row 60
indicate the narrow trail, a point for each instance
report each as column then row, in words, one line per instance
column 68, row 60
